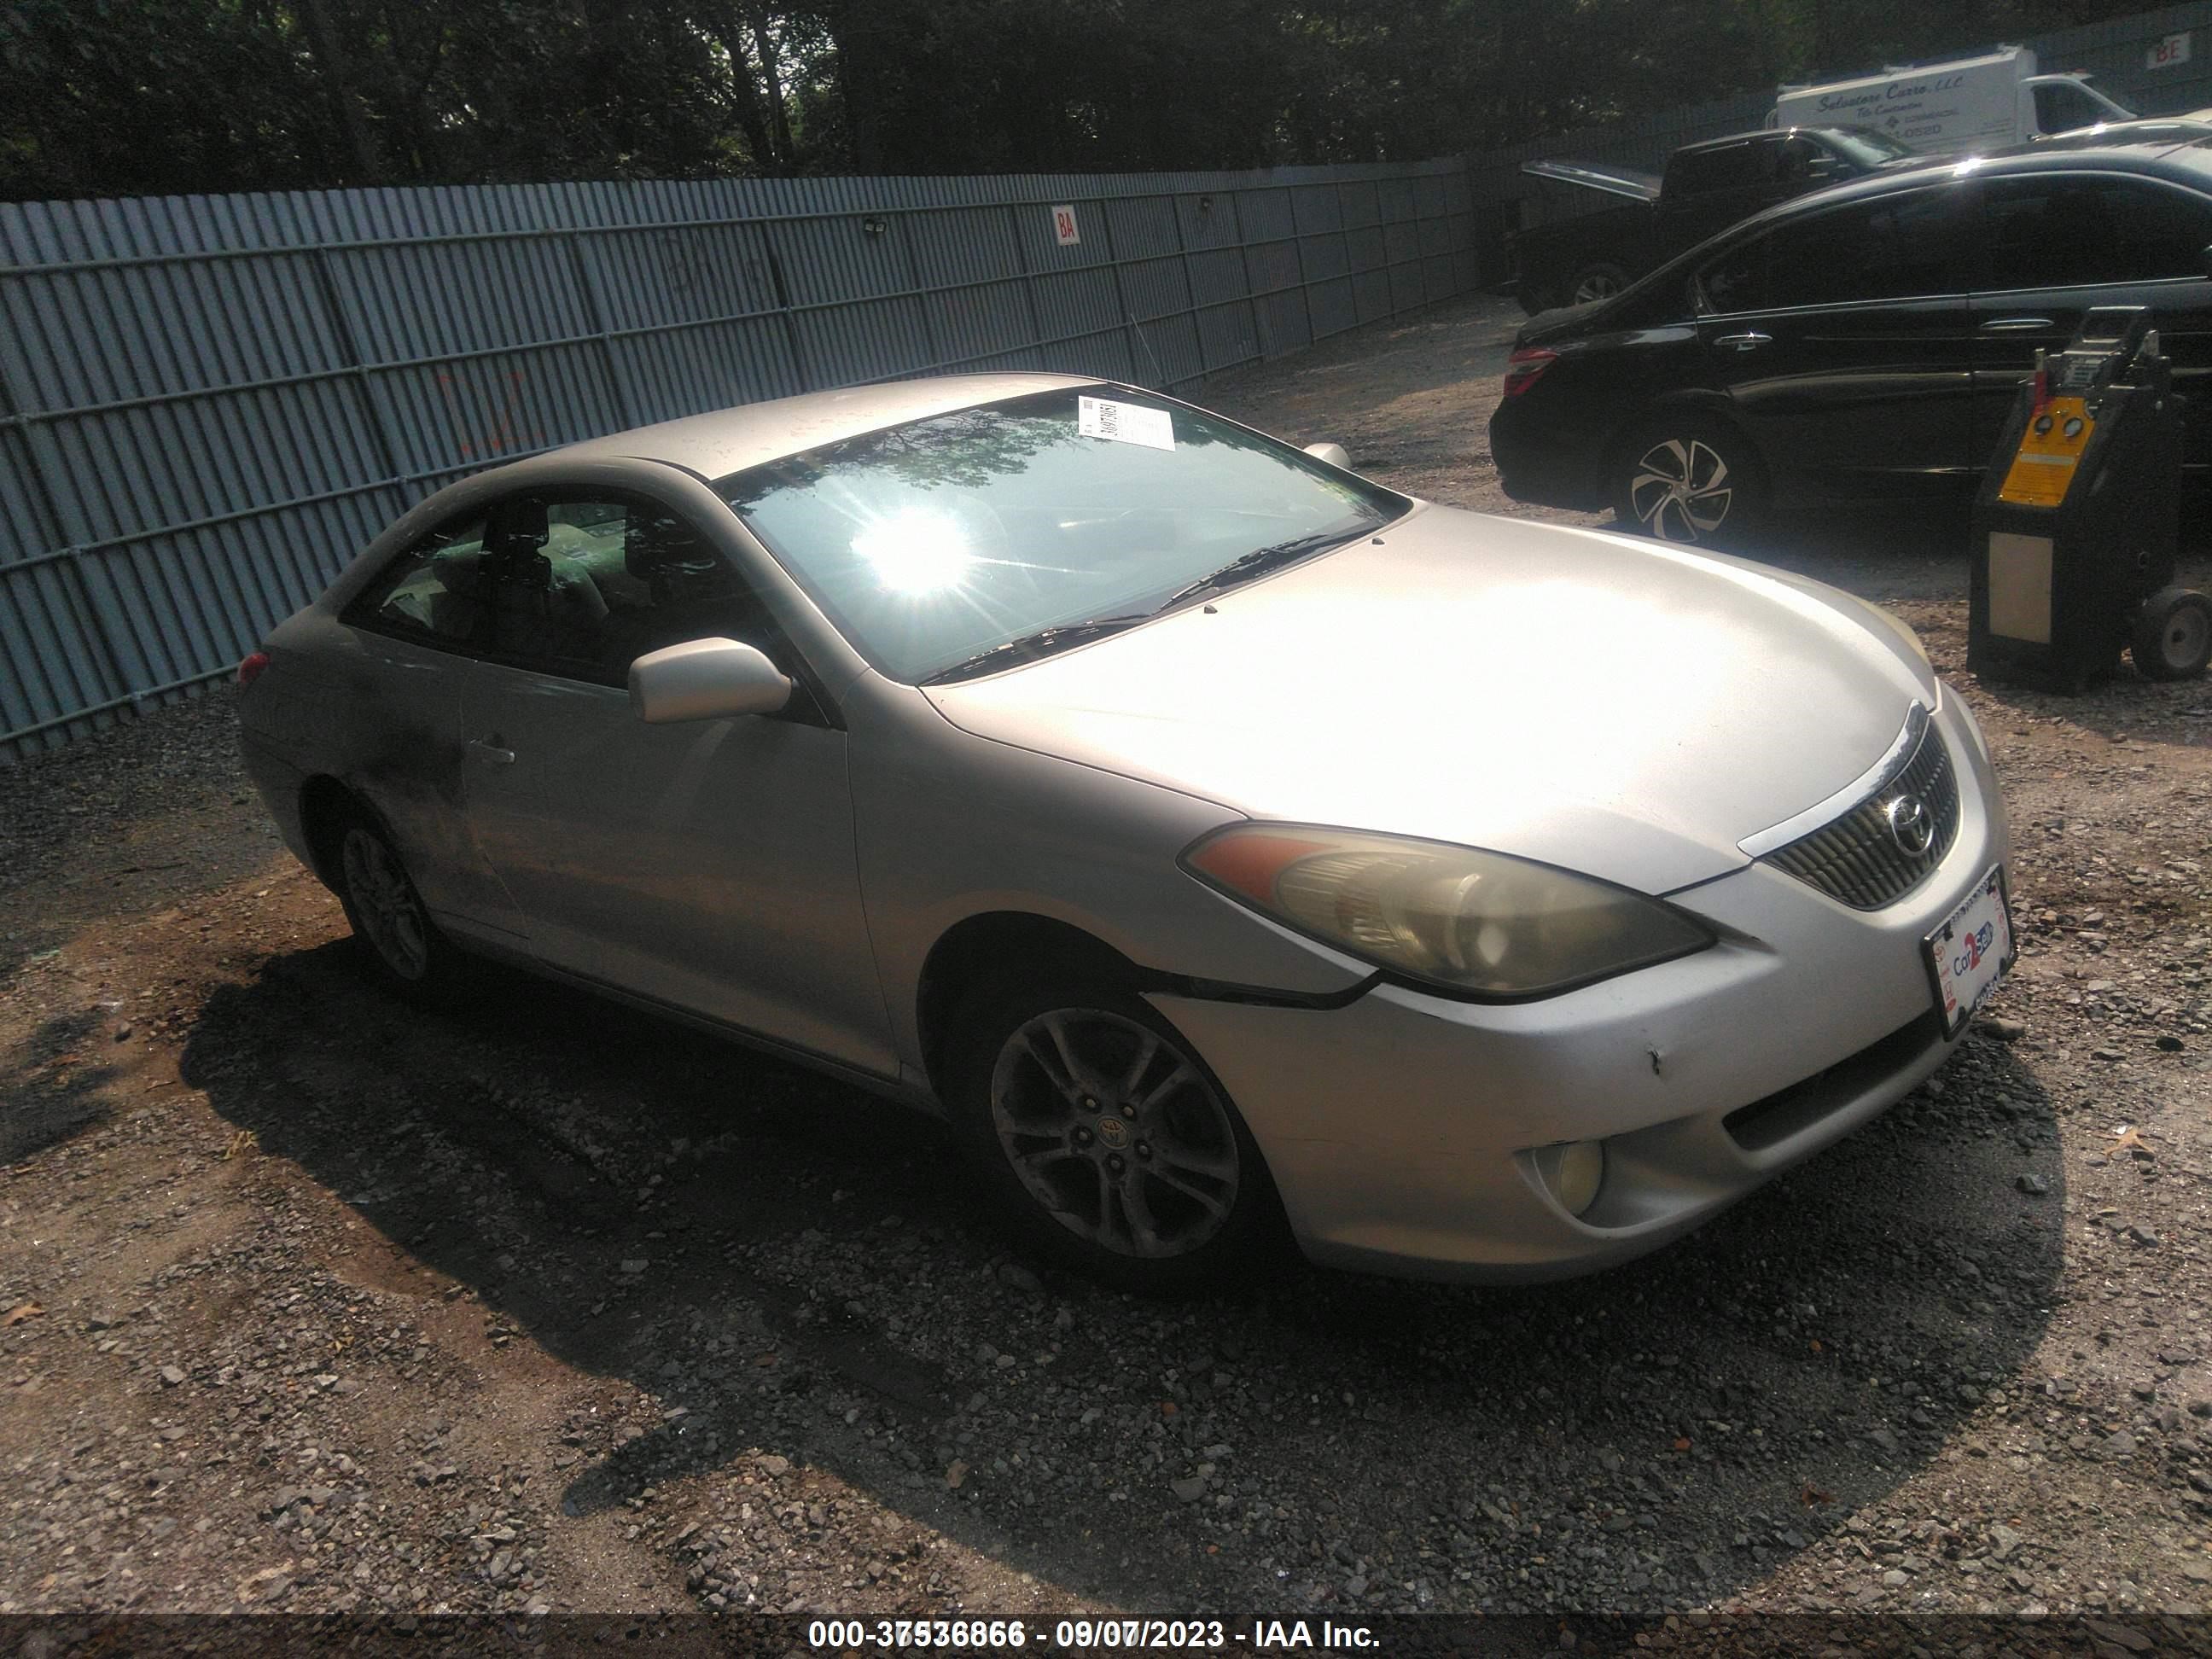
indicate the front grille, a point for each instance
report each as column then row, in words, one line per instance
column 1855, row 859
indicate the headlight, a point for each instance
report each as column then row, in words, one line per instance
column 1478, row 923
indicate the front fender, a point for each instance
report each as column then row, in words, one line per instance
column 950, row 825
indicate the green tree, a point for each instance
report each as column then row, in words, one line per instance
column 114, row 97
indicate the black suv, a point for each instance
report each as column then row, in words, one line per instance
column 1707, row 187
column 1862, row 343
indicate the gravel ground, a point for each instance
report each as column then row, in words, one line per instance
column 310, row 1302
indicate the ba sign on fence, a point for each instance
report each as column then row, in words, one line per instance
column 1063, row 226
column 2165, row 54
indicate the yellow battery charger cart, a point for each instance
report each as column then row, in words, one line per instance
column 2076, row 530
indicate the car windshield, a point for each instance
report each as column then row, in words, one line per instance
column 1867, row 147
column 933, row 543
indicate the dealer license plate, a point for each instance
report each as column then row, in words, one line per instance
column 1970, row 952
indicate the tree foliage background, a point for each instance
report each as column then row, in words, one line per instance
column 134, row 97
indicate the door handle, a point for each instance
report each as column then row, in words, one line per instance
column 492, row 753
column 2015, row 324
column 1743, row 342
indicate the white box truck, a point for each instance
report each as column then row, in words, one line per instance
column 1946, row 109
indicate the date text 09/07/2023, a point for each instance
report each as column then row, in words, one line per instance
column 980, row 1634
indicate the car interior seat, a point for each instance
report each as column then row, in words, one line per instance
column 458, row 589
column 539, row 611
column 691, row 593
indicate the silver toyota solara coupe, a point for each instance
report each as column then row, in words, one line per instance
column 1221, row 843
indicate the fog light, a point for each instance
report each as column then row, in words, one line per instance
column 1572, row 1172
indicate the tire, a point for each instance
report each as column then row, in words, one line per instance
column 1156, row 1185
column 1693, row 482
column 2172, row 635
column 1601, row 279
column 398, row 943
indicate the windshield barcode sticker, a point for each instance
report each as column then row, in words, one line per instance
column 1125, row 423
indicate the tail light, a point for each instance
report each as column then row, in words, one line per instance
column 1524, row 367
column 250, row 670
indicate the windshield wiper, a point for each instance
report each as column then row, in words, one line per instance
column 1042, row 643
column 1258, row 562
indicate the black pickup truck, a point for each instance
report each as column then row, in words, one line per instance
column 1706, row 188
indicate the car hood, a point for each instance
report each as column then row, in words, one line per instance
column 1609, row 705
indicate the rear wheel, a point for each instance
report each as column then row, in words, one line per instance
column 1692, row 482
column 1104, row 1138
column 403, row 949
column 1601, row 279
column 2172, row 635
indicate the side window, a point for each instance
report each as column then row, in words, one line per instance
column 1732, row 167
column 2061, row 106
column 1891, row 247
column 434, row 592
column 1800, row 162
column 582, row 587
column 2067, row 229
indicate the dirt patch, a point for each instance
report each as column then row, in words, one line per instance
column 317, row 1303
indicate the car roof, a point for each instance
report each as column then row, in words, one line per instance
column 726, row 441
column 2160, row 132
column 2153, row 157
column 1726, row 139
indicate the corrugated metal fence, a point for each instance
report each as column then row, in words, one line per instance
column 207, row 403
column 2117, row 53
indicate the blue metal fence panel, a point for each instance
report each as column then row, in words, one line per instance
column 1272, row 265
column 1157, row 287
column 1265, row 214
column 1334, row 307
column 208, row 402
column 1142, row 227
column 1219, row 277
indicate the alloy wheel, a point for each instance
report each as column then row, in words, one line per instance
column 1681, row 491
column 1596, row 285
column 2183, row 638
column 1115, row 1132
column 391, row 914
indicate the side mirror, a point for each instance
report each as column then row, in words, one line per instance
column 1333, row 454
column 705, row 680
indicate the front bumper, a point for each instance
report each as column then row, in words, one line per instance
column 1397, row 1128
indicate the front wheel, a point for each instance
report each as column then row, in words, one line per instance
column 2172, row 635
column 1691, row 482
column 1105, row 1139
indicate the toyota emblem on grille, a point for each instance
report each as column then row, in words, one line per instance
column 1911, row 826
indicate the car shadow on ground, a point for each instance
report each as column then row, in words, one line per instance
column 54, row 1084
column 800, row 1266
